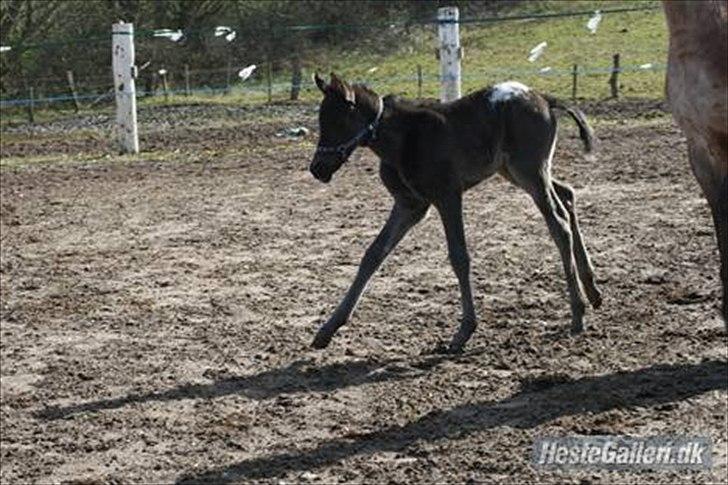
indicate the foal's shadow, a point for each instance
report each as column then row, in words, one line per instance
column 539, row 401
column 300, row 376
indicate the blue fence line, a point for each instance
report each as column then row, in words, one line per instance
column 53, row 99
column 4, row 103
column 86, row 82
column 278, row 87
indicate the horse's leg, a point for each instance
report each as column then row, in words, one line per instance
column 720, row 217
column 557, row 220
column 583, row 263
column 535, row 178
column 451, row 212
column 715, row 188
column 401, row 219
column 537, row 182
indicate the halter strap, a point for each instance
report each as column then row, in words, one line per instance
column 364, row 136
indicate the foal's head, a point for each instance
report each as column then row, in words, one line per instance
column 348, row 118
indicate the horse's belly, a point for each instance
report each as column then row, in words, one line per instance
column 478, row 170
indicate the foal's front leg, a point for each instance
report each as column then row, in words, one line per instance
column 401, row 219
column 451, row 212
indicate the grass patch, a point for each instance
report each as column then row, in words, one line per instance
column 499, row 51
column 494, row 52
column 17, row 116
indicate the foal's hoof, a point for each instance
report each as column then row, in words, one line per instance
column 440, row 349
column 321, row 340
column 458, row 342
column 455, row 349
column 444, row 349
column 576, row 329
column 596, row 300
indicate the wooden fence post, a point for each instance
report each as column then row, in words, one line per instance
column 450, row 53
column 165, row 86
column 187, row 80
column 419, row 81
column 72, row 87
column 614, row 77
column 574, row 75
column 228, row 74
column 31, row 103
column 124, row 73
column 296, row 78
column 270, row 82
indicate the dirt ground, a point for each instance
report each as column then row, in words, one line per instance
column 157, row 311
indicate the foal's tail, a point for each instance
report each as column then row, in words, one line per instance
column 585, row 132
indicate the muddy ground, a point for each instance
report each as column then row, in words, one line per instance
column 157, row 311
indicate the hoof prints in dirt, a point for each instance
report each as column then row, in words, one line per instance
column 155, row 320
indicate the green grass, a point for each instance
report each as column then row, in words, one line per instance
column 498, row 51
column 493, row 52
column 44, row 114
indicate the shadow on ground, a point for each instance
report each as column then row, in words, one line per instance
column 299, row 376
column 538, row 402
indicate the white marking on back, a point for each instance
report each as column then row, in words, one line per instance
column 505, row 91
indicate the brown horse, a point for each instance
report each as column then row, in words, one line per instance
column 697, row 87
column 430, row 153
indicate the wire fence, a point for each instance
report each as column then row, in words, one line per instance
column 574, row 61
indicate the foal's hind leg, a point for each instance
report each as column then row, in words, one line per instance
column 535, row 180
column 583, row 263
column 557, row 220
column 538, row 184
column 401, row 220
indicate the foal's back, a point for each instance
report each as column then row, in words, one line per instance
column 493, row 126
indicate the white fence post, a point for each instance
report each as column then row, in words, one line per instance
column 450, row 53
column 124, row 74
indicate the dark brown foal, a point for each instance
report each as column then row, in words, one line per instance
column 431, row 153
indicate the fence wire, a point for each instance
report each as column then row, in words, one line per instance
column 399, row 57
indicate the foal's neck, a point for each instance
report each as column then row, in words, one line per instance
column 387, row 141
column 401, row 119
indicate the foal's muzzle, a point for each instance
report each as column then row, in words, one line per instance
column 324, row 167
column 319, row 172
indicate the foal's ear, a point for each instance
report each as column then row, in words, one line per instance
column 320, row 83
column 341, row 87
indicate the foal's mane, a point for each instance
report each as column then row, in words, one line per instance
column 404, row 103
column 425, row 109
